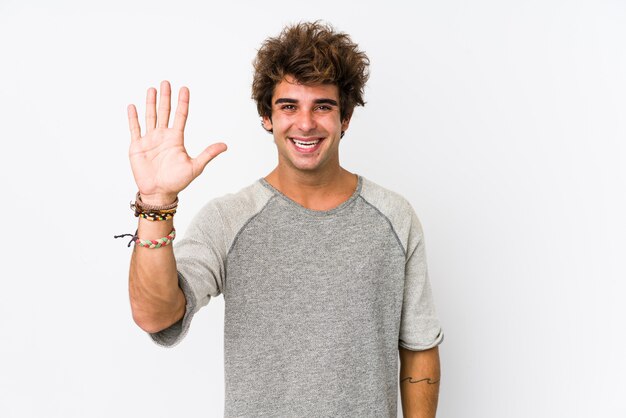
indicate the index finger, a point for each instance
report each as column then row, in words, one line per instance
column 182, row 109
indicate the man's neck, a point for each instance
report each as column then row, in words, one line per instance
column 314, row 190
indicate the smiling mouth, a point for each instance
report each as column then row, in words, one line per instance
column 306, row 145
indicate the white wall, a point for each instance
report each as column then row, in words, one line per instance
column 502, row 122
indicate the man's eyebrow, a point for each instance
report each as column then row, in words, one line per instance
column 316, row 101
column 326, row 101
column 285, row 100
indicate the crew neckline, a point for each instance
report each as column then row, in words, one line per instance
column 313, row 212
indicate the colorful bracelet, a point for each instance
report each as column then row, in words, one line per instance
column 154, row 216
column 157, row 243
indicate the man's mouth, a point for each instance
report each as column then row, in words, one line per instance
column 306, row 145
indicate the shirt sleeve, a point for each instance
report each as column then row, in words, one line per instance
column 200, row 262
column 419, row 326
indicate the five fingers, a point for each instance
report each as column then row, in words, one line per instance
column 161, row 120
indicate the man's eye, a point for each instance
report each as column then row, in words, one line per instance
column 288, row 107
column 324, row 107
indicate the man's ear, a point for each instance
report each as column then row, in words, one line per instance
column 345, row 123
column 266, row 122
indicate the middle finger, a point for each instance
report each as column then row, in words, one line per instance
column 163, row 116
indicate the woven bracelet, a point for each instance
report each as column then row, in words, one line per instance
column 157, row 243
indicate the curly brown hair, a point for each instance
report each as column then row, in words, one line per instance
column 312, row 53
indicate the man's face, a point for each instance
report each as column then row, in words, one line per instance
column 307, row 125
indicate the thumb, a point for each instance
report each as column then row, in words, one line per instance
column 207, row 155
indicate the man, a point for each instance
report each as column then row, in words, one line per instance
column 323, row 272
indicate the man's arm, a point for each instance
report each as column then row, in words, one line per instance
column 155, row 298
column 419, row 382
column 162, row 169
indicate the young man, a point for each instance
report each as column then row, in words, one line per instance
column 323, row 272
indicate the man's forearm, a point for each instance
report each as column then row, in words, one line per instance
column 419, row 382
column 156, row 300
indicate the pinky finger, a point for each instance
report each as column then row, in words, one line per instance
column 133, row 123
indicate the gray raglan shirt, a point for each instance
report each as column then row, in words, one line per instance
column 316, row 302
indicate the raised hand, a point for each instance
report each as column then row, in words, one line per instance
column 159, row 160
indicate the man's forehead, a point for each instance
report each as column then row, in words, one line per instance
column 290, row 88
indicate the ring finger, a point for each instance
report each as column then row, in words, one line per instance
column 151, row 109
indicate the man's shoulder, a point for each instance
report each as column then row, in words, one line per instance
column 241, row 204
column 225, row 215
column 252, row 195
column 388, row 202
column 395, row 209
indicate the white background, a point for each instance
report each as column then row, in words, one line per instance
column 502, row 122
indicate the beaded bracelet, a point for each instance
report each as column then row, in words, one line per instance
column 157, row 243
column 154, row 216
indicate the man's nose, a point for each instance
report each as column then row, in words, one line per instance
column 306, row 121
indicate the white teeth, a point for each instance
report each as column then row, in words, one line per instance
column 310, row 144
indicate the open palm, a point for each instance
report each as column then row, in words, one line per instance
column 159, row 160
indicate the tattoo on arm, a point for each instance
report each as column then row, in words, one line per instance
column 427, row 380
